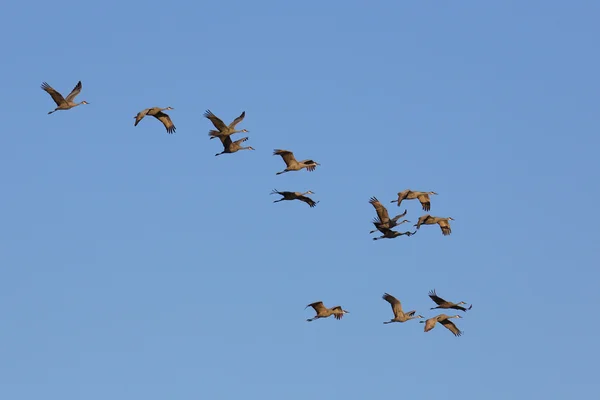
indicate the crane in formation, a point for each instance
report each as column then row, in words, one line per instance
column 295, row 196
column 157, row 113
column 61, row 102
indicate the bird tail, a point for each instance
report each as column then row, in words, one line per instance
column 213, row 134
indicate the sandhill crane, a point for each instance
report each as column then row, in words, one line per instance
column 444, row 320
column 383, row 221
column 157, row 113
column 232, row 147
column 390, row 234
column 292, row 164
column 399, row 315
column 61, row 102
column 444, row 223
column 441, row 303
column 324, row 312
column 413, row 194
column 295, row 196
column 382, row 227
column 223, row 130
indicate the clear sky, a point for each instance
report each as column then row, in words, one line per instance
column 137, row 265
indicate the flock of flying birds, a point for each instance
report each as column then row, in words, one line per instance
column 383, row 223
column 399, row 314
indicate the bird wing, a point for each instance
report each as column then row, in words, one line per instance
column 397, row 217
column 337, row 312
column 378, row 224
column 317, row 305
column 381, row 210
column 275, row 191
column 237, row 120
column 396, row 304
column 74, row 92
column 166, row 121
column 240, row 141
column 450, row 325
column 220, row 125
column 57, row 97
column 425, row 202
column 140, row 116
column 307, row 200
column 288, row 156
column 438, row 300
column 226, row 141
column 430, row 324
column 423, row 219
column 402, row 195
column 445, row 226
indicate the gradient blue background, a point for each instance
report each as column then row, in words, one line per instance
column 137, row 265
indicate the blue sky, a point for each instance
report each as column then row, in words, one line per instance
column 137, row 265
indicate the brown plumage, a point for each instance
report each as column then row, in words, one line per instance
column 413, row 194
column 157, row 113
column 61, row 102
column 441, row 303
column 292, row 164
column 232, row 147
column 324, row 312
column 399, row 315
column 222, row 129
column 383, row 222
column 296, row 196
column 444, row 320
column 444, row 223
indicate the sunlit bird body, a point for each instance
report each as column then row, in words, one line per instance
column 441, row 303
column 292, row 164
column 61, row 102
column 408, row 194
column 157, row 113
column 399, row 315
column 222, row 129
column 444, row 223
column 324, row 312
column 295, row 196
column 444, row 320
